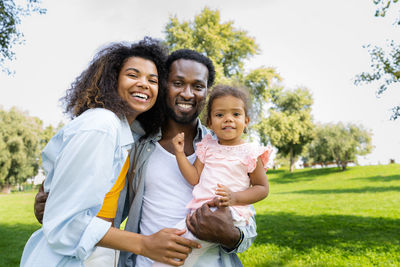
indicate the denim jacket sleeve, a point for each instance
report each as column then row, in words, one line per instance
column 70, row 224
column 250, row 234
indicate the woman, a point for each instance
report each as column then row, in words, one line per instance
column 85, row 158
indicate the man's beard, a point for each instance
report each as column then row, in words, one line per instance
column 182, row 119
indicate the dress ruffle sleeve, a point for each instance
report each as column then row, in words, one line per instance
column 201, row 147
column 258, row 151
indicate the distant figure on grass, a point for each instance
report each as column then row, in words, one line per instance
column 228, row 167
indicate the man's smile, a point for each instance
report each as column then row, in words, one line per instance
column 185, row 106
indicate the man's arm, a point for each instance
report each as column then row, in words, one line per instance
column 40, row 202
column 217, row 227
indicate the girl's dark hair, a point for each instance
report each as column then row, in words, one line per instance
column 225, row 90
column 97, row 86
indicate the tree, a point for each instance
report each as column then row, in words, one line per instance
column 339, row 143
column 263, row 84
column 225, row 45
column 10, row 34
column 385, row 63
column 21, row 141
column 228, row 48
column 289, row 126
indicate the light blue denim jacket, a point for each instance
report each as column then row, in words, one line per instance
column 82, row 162
column 130, row 203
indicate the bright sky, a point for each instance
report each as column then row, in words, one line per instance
column 312, row 43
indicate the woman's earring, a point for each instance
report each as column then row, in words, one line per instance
column 245, row 130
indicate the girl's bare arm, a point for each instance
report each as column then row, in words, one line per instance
column 189, row 171
column 258, row 191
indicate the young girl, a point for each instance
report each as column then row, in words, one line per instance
column 228, row 167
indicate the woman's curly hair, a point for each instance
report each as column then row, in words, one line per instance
column 97, row 86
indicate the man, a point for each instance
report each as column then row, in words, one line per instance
column 156, row 193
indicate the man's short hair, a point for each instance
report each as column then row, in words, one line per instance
column 195, row 56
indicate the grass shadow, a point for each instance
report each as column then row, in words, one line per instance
column 302, row 175
column 272, row 171
column 329, row 232
column 379, row 178
column 366, row 189
column 12, row 242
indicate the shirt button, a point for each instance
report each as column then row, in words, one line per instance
column 148, row 150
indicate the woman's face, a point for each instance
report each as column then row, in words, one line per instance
column 138, row 85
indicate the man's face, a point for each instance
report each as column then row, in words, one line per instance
column 187, row 90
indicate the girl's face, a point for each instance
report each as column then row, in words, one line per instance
column 138, row 85
column 228, row 119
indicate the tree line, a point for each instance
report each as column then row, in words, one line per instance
column 280, row 116
column 22, row 138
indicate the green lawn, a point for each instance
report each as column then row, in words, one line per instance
column 312, row 217
column 17, row 223
column 322, row 217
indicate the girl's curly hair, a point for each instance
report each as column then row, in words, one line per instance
column 97, row 86
column 222, row 90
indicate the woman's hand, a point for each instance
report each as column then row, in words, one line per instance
column 179, row 142
column 168, row 246
column 226, row 196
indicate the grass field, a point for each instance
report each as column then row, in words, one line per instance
column 17, row 223
column 322, row 217
column 312, row 217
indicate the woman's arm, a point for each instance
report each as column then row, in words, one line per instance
column 165, row 246
column 258, row 191
column 78, row 182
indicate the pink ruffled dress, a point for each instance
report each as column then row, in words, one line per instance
column 227, row 165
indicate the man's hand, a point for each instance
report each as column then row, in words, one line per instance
column 216, row 227
column 40, row 201
column 167, row 246
column 179, row 142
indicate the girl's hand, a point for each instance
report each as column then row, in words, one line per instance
column 167, row 246
column 226, row 196
column 179, row 142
